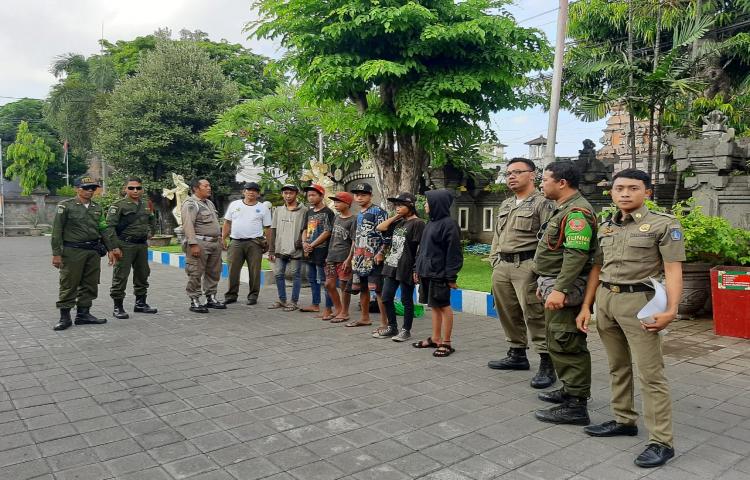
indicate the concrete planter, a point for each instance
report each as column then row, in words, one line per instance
column 696, row 289
column 160, row 240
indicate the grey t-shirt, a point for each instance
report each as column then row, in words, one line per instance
column 341, row 239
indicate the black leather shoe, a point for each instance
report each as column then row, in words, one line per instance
column 65, row 321
column 252, row 301
column 197, row 307
column 571, row 412
column 229, row 301
column 655, row 455
column 515, row 360
column 83, row 317
column 553, row 396
column 213, row 302
column 119, row 310
column 545, row 377
column 611, row 429
column 141, row 306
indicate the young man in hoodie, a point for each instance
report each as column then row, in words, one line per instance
column 285, row 246
column 439, row 260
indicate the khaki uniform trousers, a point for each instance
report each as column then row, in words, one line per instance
column 205, row 269
column 625, row 341
column 239, row 253
column 569, row 351
column 135, row 257
column 79, row 278
column 514, row 292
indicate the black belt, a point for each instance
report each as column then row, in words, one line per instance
column 244, row 239
column 519, row 256
column 639, row 287
column 82, row 245
column 136, row 240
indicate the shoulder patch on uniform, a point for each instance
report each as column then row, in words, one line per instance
column 577, row 224
column 675, row 234
column 662, row 214
column 60, row 208
column 113, row 209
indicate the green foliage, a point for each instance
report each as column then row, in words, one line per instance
column 476, row 274
column 151, row 125
column 29, row 157
column 280, row 133
column 419, row 73
column 711, row 239
column 66, row 191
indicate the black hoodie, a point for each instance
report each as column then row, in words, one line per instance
column 439, row 253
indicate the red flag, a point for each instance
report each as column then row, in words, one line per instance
column 65, row 146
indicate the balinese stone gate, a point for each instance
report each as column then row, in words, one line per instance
column 596, row 175
column 719, row 164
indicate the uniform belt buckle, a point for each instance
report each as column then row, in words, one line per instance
column 615, row 288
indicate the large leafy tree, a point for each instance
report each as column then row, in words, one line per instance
column 280, row 133
column 32, row 112
column 420, row 73
column 151, row 124
column 29, row 157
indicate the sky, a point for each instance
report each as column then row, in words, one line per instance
column 62, row 26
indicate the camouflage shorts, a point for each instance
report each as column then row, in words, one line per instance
column 573, row 298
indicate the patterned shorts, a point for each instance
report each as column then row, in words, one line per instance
column 337, row 271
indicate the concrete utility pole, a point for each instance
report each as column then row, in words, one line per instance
column 2, row 186
column 554, row 101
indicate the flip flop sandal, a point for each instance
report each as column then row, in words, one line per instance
column 339, row 320
column 425, row 343
column 327, row 318
column 308, row 310
column 277, row 305
column 358, row 324
column 290, row 308
column 444, row 350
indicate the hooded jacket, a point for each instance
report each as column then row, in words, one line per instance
column 439, row 254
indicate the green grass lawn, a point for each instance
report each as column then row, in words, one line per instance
column 266, row 265
column 476, row 274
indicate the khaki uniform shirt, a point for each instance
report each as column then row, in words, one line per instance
column 517, row 226
column 567, row 244
column 633, row 247
column 139, row 218
column 74, row 222
column 199, row 217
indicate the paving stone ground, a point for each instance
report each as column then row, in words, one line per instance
column 252, row 393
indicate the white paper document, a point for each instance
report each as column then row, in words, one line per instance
column 658, row 304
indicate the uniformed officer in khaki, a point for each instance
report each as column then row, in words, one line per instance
column 78, row 243
column 202, row 247
column 635, row 245
column 513, row 281
column 130, row 223
column 562, row 261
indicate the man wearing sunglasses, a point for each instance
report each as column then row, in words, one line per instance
column 130, row 223
column 78, row 242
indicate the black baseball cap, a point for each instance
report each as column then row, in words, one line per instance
column 251, row 186
column 362, row 188
column 86, row 181
column 404, row 197
column 290, row 186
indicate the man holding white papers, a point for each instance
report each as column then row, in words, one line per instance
column 634, row 245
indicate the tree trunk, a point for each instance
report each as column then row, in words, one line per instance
column 398, row 160
column 651, row 142
column 658, row 150
column 631, row 138
column 633, row 160
column 676, row 188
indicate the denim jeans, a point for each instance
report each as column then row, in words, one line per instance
column 280, row 274
column 390, row 285
column 316, row 276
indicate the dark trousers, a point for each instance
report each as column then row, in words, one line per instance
column 79, row 278
column 239, row 253
column 135, row 258
column 390, row 285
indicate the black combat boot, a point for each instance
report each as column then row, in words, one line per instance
column 515, row 360
column 141, row 305
column 119, row 311
column 545, row 377
column 197, row 307
column 553, row 396
column 65, row 321
column 213, row 302
column 572, row 411
column 83, row 317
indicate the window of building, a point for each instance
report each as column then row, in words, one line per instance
column 463, row 218
column 488, row 219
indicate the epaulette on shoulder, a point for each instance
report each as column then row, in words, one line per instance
column 64, row 203
column 663, row 214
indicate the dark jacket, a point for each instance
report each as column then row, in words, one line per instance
column 439, row 254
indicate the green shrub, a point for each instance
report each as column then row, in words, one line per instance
column 66, row 191
column 711, row 239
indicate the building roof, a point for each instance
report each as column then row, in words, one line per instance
column 540, row 140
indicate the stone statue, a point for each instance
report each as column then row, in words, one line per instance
column 714, row 123
column 179, row 193
column 318, row 173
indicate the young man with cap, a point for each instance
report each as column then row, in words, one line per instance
column 130, row 223
column 247, row 223
column 285, row 246
column 367, row 255
column 405, row 229
column 78, row 242
column 635, row 245
column 202, row 247
column 318, row 226
column 339, row 261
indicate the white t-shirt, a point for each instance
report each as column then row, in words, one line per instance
column 247, row 220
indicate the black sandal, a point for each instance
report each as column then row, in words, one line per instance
column 421, row 344
column 444, row 350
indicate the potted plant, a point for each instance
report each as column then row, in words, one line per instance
column 709, row 241
column 33, row 218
